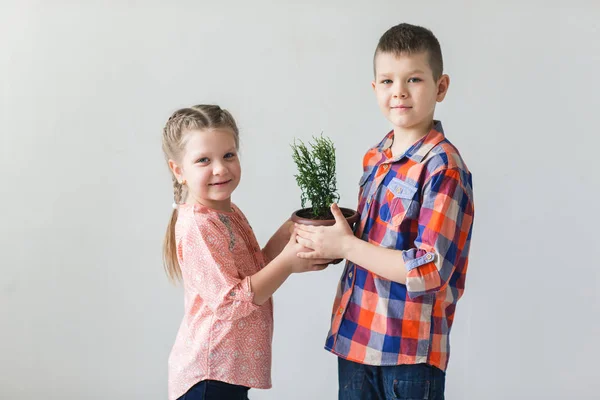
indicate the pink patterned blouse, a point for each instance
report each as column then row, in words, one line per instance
column 224, row 336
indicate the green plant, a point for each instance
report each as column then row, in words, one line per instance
column 316, row 174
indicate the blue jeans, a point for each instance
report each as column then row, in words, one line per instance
column 215, row 390
column 408, row 382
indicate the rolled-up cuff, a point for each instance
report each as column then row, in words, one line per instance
column 414, row 258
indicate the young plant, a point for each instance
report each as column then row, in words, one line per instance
column 316, row 174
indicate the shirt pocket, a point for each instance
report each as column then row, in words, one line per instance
column 403, row 200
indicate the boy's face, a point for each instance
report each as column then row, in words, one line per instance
column 406, row 90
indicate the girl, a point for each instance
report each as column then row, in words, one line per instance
column 223, row 346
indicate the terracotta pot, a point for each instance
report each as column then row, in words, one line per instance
column 304, row 216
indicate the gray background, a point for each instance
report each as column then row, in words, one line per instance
column 85, row 87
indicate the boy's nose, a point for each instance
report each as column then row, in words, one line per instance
column 400, row 92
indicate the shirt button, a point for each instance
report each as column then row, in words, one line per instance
column 429, row 257
column 386, row 166
column 341, row 310
column 350, row 275
column 232, row 293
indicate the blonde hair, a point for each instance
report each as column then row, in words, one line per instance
column 203, row 116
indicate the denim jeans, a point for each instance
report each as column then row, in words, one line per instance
column 215, row 390
column 407, row 382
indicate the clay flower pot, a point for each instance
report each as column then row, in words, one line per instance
column 305, row 216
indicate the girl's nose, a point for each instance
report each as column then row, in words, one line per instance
column 219, row 169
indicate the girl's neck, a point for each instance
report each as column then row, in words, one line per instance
column 216, row 205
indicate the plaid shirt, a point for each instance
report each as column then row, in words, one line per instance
column 420, row 203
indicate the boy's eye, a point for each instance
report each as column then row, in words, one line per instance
column 229, row 155
column 386, row 81
column 202, row 160
column 414, row 79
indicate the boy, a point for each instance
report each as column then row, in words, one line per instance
column 408, row 257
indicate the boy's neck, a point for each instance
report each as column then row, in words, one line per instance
column 405, row 138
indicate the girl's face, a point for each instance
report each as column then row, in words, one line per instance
column 210, row 168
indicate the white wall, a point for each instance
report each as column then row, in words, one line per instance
column 86, row 311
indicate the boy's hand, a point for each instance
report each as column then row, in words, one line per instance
column 328, row 242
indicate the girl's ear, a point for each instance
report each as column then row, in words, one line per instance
column 176, row 170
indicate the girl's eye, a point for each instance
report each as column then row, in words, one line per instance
column 414, row 79
column 386, row 81
column 202, row 160
column 229, row 155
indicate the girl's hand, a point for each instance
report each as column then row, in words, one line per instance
column 291, row 252
column 278, row 241
column 326, row 242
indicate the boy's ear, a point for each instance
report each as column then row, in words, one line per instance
column 373, row 85
column 176, row 170
column 442, row 86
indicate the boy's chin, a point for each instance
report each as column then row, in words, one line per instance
column 405, row 125
column 402, row 125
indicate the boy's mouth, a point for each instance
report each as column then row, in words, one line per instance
column 219, row 183
column 400, row 109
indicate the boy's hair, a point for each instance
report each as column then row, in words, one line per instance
column 182, row 121
column 411, row 39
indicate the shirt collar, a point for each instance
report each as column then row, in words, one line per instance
column 419, row 150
